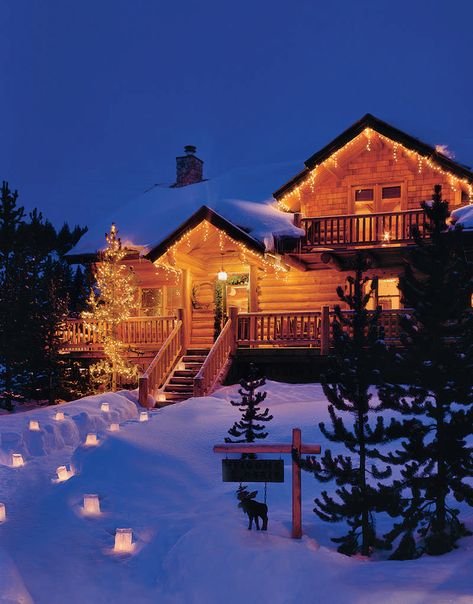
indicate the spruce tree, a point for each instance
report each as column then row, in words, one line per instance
column 437, row 359
column 247, row 429
column 351, row 372
column 111, row 301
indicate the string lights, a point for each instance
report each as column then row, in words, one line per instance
column 286, row 203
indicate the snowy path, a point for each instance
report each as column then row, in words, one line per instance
column 161, row 479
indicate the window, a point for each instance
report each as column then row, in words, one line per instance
column 391, row 192
column 386, row 295
column 377, row 198
column 151, row 302
column 364, row 194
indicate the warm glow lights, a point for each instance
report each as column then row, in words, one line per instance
column 104, row 407
column 91, row 440
column 123, row 541
column 181, row 366
column 59, row 416
column 62, row 474
column 114, row 427
column 386, row 237
column 91, row 505
column 17, row 460
column 3, row 512
column 161, row 397
column 34, row 425
column 422, row 162
column 144, row 416
column 222, row 276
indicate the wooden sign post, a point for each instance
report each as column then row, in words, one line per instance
column 298, row 447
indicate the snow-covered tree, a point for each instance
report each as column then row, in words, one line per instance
column 437, row 360
column 112, row 300
column 351, row 373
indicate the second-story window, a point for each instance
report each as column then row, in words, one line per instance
column 377, row 198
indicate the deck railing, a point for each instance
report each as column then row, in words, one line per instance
column 217, row 360
column 78, row 334
column 383, row 228
column 280, row 328
column 313, row 328
column 160, row 367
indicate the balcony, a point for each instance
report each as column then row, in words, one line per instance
column 362, row 230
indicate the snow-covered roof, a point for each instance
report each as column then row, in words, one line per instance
column 241, row 196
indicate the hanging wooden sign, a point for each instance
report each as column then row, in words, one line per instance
column 252, row 470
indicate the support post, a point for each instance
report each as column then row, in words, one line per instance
column 198, row 389
column 325, row 331
column 181, row 316
column 297, row 219
column 296, row 487
column 233, row 317
column 253, row 297
column 143, row 391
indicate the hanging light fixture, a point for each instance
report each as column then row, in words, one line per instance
column 222, row 274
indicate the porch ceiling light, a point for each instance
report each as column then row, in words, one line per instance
column 222, row 275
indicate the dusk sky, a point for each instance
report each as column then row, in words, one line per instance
column 99, row 96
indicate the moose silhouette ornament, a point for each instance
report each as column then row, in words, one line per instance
column 254, row 509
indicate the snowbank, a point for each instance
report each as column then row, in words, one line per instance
column 161, row 478
column 463, row 216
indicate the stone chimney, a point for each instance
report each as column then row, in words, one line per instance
column 189, row 168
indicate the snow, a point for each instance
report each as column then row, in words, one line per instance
column 161, row 478
column 463, row 217
column 237, row 196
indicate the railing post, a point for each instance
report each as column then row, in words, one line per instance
column 325, row 331
column 181, row 315
column 233, row 317
column 143, row 391
column 198, row 386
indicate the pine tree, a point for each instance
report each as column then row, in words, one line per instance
column 112, row 301
column 351, row 373
column 437, row 355
column 247, row 429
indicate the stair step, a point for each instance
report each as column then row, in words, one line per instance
column 197, row 351
column 172, row 397
column 181, row 380
column 184, row 388
column 194, row 359
column 186, row 373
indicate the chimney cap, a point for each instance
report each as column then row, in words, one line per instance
column 190, row 149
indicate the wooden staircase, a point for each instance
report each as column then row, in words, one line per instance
column 180, row 385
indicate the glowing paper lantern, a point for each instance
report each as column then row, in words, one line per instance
column 161, row 398
column 34, row 425
column 222, row 276
column 114, row 427
column 123, row 540
column 91, row 440
column 144, row 416
column 105, row 407
column 62, row 473
column 3, row 512
column 59, row 416
column 91, row 505
column 17, row 460
column 181, row 366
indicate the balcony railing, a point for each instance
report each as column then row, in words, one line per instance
column 383, row 228
column 138, row 331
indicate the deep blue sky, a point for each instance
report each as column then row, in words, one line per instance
column 98, row 96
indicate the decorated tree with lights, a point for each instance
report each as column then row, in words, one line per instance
column 352, row 371
column 437, row 357
column 247, row 429
column 111, row 301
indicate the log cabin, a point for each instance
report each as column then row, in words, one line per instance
column 275, row 265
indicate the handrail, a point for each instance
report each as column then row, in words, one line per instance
column 217, row 359
column 87, row 334
column 363, row 229
column 161, row 365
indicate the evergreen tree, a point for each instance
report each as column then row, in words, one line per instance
column 437, row 355
column 351, row 373
column 112, row 301
column 247, row 429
